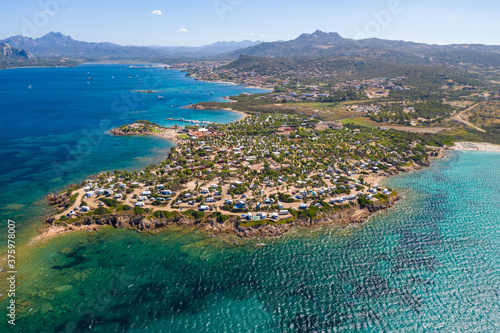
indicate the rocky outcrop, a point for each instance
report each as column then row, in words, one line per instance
column 7, row 51
column 60, row 200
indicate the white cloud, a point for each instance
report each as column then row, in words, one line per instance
column 156, row 12
column 183, row 30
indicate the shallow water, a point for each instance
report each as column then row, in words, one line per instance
column 431, row 263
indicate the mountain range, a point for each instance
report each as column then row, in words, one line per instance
column 55, row 44
column 321, row 45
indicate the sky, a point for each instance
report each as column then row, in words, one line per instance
column 201, row 22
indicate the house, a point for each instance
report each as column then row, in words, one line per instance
column 284, row 212
column 204, row 191
column 84, row 209
column 89, row 194
column 140, row 204
column 203, row 208
column 284, row 131
column 303, row 206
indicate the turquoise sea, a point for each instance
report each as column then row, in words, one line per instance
column 54, row 123
column 429, row 264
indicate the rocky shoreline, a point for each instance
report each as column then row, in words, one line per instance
column 354, row 215
column 351, row 216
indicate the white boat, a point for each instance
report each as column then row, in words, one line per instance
column 160, row 97
column 30, row 86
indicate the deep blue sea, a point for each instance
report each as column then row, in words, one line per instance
column 54, row 122
column 429, row 264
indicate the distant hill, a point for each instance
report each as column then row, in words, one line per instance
column 206, row 50
column 321, row 44
column 9, row 52
column 14, row 57
column 55, row 44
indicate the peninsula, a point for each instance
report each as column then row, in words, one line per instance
column 259, row 176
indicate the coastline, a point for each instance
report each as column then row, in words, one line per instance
column 475, row 146
column 237, row 84
column 169, row 134
column 21, row 67
column 199, row 107
column 352, row 216
column 166, row 133
column 347, row 218
column 357, row 216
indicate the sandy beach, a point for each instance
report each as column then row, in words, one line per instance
column 53, row 231
column 478, row 146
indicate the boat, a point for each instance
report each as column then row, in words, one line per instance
column 160, row 97
column 88, row 82
column 90, row 78
column 30, row 86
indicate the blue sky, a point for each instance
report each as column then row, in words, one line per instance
column 200, row 22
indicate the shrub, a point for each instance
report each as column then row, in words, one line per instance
column 139, row 210
column 194, row 213
column 101, row 211
column 363, row 202
column 220, row 217
column 161, row 214
column 110, row 202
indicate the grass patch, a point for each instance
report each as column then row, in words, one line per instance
column 361, row 121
